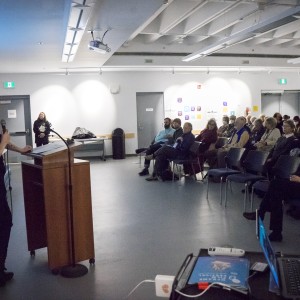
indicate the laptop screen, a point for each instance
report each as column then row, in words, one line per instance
column 268, row 250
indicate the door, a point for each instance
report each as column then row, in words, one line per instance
column 284, row 102
column 290, row 103
column 15, row 110
column 270, row 103
column 150, row 115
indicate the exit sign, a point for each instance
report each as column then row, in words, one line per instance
column 9, row 85
column 282, row 81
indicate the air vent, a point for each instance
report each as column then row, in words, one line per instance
column 148, row 61
column 245, row 62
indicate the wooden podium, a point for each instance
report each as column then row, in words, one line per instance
column 47, row 205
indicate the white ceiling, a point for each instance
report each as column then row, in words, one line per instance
column 151, row 34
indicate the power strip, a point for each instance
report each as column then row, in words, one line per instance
column 163, row 285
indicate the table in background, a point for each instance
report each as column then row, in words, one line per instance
column 94, row 147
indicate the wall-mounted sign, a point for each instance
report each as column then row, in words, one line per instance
column 149, row 109
column 11, row 114
column 9, row 84
column 282, row 81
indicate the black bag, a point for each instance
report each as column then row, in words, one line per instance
column 82, row 133
column 167, row 175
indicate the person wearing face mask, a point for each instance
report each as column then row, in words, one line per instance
column 231, row 128
column 296, row 120
column 222, row 131
column 161, row 138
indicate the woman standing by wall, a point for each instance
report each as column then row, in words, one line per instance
column 41, row 128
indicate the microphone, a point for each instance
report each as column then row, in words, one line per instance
column 3, row 125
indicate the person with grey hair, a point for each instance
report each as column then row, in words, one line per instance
column 270, row 137
column 239, row 139
column 283, row 145
column 179, row 150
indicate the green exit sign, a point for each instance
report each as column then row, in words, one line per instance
column 282, row 81
column 9, row 85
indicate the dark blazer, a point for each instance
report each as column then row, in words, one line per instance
column 283, row 146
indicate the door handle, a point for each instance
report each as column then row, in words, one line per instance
column 17, row 133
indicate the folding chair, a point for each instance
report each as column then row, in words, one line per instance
column 284, row 167
column 253, row 166
column 193, row 158
column 233, row 165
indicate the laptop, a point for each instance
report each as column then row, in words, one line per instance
column 285, row 270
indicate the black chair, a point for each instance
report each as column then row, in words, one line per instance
column 253, row 166
column 193, row 158
column 284, row 167
column 232, row 159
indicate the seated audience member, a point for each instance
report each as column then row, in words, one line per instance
column 256, row 133
column 240, row 138
column 279, row 190
column 279, row 120
column 231, row 128
column 207, row 137
column 252, row 120
column 248, row 121
column 283, row 145
column 296, row 120
column 270, row 137
column 285, row 118
column 262, row 117
column 179, row 150
column 222, row 131
column 161, row 138
column 176, row 124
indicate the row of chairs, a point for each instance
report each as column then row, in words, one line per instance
column 193, row 158
column 250, row 171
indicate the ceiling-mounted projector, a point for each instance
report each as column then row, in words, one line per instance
column 98, row 46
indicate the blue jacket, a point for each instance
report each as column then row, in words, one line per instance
column 161, row 136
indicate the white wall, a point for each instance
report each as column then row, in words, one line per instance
column 86, row 100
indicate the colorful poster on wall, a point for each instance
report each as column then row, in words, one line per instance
column 224, row 103
column 192, row 108
column 225, row 110
column 186, row 108
column 186, row 117
column 179, row 100
column 199, row 116
column 255, row 108
column 198, row 108
column 179, row 113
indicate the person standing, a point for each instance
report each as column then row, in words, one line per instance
column 41, row 128
column 5, row 213
column 279, row 190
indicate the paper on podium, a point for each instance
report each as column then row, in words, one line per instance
column 48, row 147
